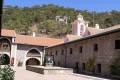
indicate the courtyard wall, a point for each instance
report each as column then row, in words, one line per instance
column 104, row 56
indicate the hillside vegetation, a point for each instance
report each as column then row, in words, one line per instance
column 41, row 19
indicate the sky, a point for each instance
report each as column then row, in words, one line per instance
column 90, row 5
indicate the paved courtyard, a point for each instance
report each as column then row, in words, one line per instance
column 22, row 74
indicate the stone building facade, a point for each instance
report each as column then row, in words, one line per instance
column 77, row 53
column 102, row 47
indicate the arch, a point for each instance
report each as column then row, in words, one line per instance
column 33, row 53
column 5, row 45
column 37, row 56
column 6, row 38
column 6, row 59
column 82, row 29
column 32, row 49
column 32, row 61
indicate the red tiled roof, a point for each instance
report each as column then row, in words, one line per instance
column 30, row 40
column 8, row 33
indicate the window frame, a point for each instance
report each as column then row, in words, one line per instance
column 95, row 47
column 56, row 52
column 62, row 52
column 71, row 50
column 80, row 49
column 117, row 44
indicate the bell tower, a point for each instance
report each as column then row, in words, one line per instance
column 80, row 17
column 78, row 26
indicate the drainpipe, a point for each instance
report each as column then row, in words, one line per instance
column 1, row 8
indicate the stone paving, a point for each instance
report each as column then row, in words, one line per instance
column 22, row 74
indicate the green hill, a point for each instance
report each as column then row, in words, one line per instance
column 41, row 19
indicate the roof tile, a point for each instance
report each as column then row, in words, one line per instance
column 30, row 40
column 8, row 33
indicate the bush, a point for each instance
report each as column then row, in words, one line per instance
column 6, row 73
column 90, row 65
column 20, row 63
column 115, row 67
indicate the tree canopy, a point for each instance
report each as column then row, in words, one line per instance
column 23, row 19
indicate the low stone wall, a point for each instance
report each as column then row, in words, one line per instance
column 50, row 70
column 115, row 77
column 35, row 69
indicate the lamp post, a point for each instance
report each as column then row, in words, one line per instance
column 1, row 8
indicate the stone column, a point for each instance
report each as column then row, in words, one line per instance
column 13, row 53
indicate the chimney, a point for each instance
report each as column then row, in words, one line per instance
column 33, row 34
column 86, row 24
column 97, row 26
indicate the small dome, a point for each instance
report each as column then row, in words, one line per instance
column 79, row 16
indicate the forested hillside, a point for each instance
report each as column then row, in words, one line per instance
column 41, row 19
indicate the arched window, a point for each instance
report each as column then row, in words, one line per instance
column 33, row 53
column 5, row 45
column 81, row 29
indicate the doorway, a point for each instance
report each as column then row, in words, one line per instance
column 5, row 59
column 98, row 68
column 76, row 67
column 32, row 61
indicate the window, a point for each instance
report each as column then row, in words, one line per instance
column 80, row 49
column 62, row 52
column 50, row 53
column 95, row 47
column 58, row 63
column 71, row 50
column 76, row 66
column 117, row 44
column 98, row 68
column 56, row 53
column 5, row 45
column 81, row 29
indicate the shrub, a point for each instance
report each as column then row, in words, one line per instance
column 115, row 66
column 20, row 63
column 90, row 65
column 6, row 73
